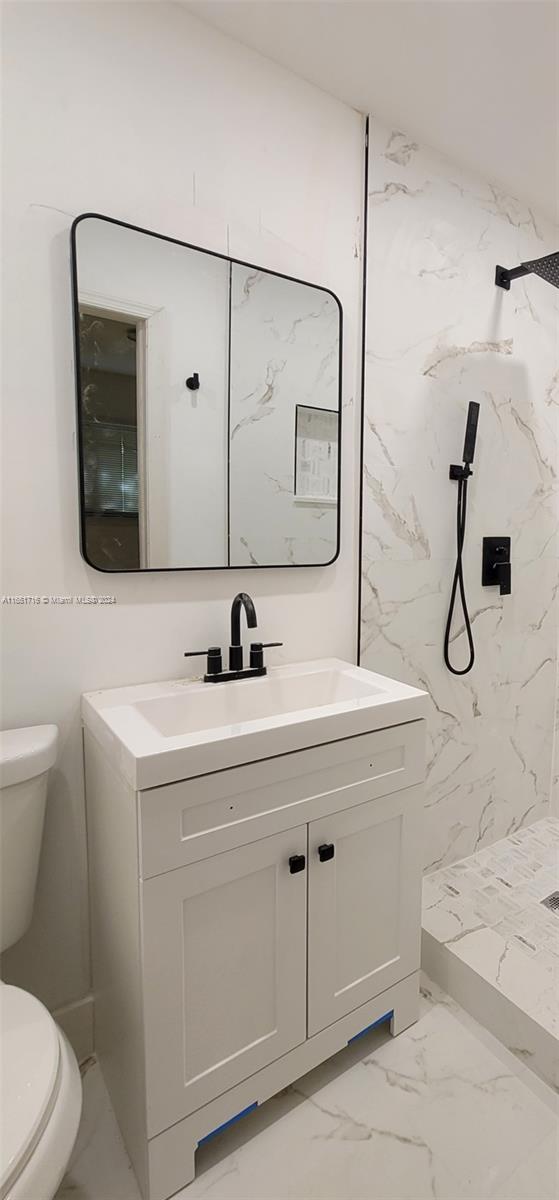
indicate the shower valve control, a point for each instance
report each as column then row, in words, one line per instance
column 496, row 567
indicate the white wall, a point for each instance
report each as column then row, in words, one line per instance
column 439, row 334
column 140, row 112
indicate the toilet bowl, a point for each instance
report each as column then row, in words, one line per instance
column 41, row 1095
column 40, row 1098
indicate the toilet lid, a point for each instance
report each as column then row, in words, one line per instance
column 30, row 1053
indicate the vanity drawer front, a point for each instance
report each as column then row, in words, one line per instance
column 196, row 818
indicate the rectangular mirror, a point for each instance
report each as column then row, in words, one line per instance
column 209, row 407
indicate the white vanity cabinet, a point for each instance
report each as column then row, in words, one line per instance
column 247, row 924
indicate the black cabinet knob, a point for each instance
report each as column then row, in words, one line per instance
column 326, row 851
column 297, row 863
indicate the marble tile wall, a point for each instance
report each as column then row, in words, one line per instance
column 439, row 334
column 285, row 340
column 555, row 757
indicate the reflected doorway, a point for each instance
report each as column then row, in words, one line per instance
column 111, row 371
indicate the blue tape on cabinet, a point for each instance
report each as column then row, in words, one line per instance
column 226, row 1124
column 387, row 1017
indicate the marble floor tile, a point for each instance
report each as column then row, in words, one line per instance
column 537, row 1178
column 491, row 941
column 443, row 1111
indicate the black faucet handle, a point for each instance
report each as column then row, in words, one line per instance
column 214, row 663
column 503, row 577
column 257, row 652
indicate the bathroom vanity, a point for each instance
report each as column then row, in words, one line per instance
column 255, row 858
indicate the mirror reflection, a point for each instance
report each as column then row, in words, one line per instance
column 208, row 404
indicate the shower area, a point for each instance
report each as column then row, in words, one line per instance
column 440, row 335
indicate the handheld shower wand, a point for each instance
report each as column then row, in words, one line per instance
column 461, row 475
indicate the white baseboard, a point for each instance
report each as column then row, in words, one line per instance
column 76, row 1020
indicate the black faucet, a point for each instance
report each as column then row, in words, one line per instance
column 242, row 600
column 214, row 670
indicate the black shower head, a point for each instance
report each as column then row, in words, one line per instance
column 547, row 267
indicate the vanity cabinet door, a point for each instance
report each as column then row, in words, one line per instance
column 224, row 960
column 364, row 903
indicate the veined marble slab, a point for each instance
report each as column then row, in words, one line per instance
column 439, row 334
column 491, row 942
column 443, row 1111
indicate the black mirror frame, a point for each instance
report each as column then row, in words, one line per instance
column 77, row 369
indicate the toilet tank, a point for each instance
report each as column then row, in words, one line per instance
column 26, row 756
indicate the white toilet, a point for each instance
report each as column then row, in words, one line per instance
column 41, row 1096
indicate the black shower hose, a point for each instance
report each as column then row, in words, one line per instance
column 458, row 584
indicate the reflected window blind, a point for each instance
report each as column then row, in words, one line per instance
column 110, row 468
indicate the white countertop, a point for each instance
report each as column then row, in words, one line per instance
column 157, row 733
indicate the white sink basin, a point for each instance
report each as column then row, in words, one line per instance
column 272, row 695
column 162, row 732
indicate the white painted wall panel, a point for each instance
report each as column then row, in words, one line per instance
column 142, row 112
